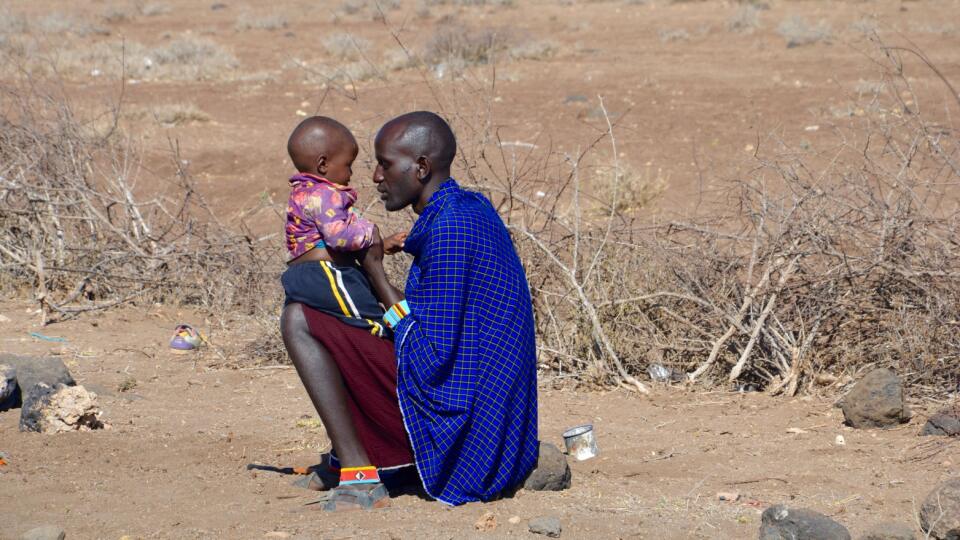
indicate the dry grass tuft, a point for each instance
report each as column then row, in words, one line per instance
column 344, row 46
column 179, row 113
column 249, row 21
column 153, row 9
column 630, row 190
column 457, row 45
column 396, row 60
column 534, row 50
column 183, row 58
column 376, row 10
column 116, row 14
column 678, row 34
column 61, row 23
column 865, row 25
column 745, row 19
column 468, row 3
column 12, row 23
column 799, row 32
column 190, row 58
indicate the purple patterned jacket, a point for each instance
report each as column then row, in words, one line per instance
column 320, row 213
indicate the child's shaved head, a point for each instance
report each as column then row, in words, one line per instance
column 319, row 136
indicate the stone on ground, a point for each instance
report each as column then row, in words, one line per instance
column 30, row 370
column 8, row 385
column 944, row 422
column 60, row 409
column 487, row 522
column 47, row 532
column 552, row 472
column 876, row 401
column 940, row 513
column 782, row 523
column 889, row 531
column 546, row 525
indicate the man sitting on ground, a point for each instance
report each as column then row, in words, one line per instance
column 464, row 340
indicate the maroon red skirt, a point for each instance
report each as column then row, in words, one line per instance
column 368, row 366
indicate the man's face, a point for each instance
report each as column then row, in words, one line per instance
column 397, row 175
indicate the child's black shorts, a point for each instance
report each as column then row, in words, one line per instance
column 341, row 291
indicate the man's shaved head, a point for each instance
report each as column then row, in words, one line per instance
column 414, row 154
column 423, row 133
column 318, row 136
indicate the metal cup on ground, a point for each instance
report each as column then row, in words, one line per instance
column 581, row 442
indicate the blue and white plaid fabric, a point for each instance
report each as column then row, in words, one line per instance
column 467, row 381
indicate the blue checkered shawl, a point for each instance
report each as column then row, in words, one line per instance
column 466, row 357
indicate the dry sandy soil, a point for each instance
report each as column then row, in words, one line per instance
column 688, row 94
column 173, row 465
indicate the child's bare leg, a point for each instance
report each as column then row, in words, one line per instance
column 321, row 377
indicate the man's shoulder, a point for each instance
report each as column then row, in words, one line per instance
column 469, row 218
column 466, row 206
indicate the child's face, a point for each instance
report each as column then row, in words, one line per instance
column 339, row 166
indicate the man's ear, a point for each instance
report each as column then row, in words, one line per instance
column 424, row 168
column 322, row 164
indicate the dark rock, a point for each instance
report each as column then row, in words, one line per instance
column 546, row 525
column 889, row 531
column 781, row 523
column 940, row 513
column 876, row 401
column 60, row 409
column 552, row 472
column 8, row 386
column 31, row 412
column 575, row 98
column 945, row 422
column 30, row 370
column 47, row 532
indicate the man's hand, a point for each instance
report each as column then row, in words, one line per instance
column 394, row 243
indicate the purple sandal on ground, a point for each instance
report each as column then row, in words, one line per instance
column 185, row 340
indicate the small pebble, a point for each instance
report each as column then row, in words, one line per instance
column 546, row 525
column 46, row 532
column 729, row 496
column 487, row 522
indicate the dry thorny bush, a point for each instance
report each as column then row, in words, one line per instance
column 802, row 271
column 78, row 230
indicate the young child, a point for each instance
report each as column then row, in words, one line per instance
column 324, row 235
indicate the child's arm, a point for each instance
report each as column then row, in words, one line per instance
column 372, row 262
column 342, row 229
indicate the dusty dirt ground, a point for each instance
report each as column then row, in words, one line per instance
column 688, row 95
column 691, row 98
column 173, row 465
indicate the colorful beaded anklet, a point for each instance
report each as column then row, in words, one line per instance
column 359, row 475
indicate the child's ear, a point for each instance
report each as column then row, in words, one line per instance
column 322, row 164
